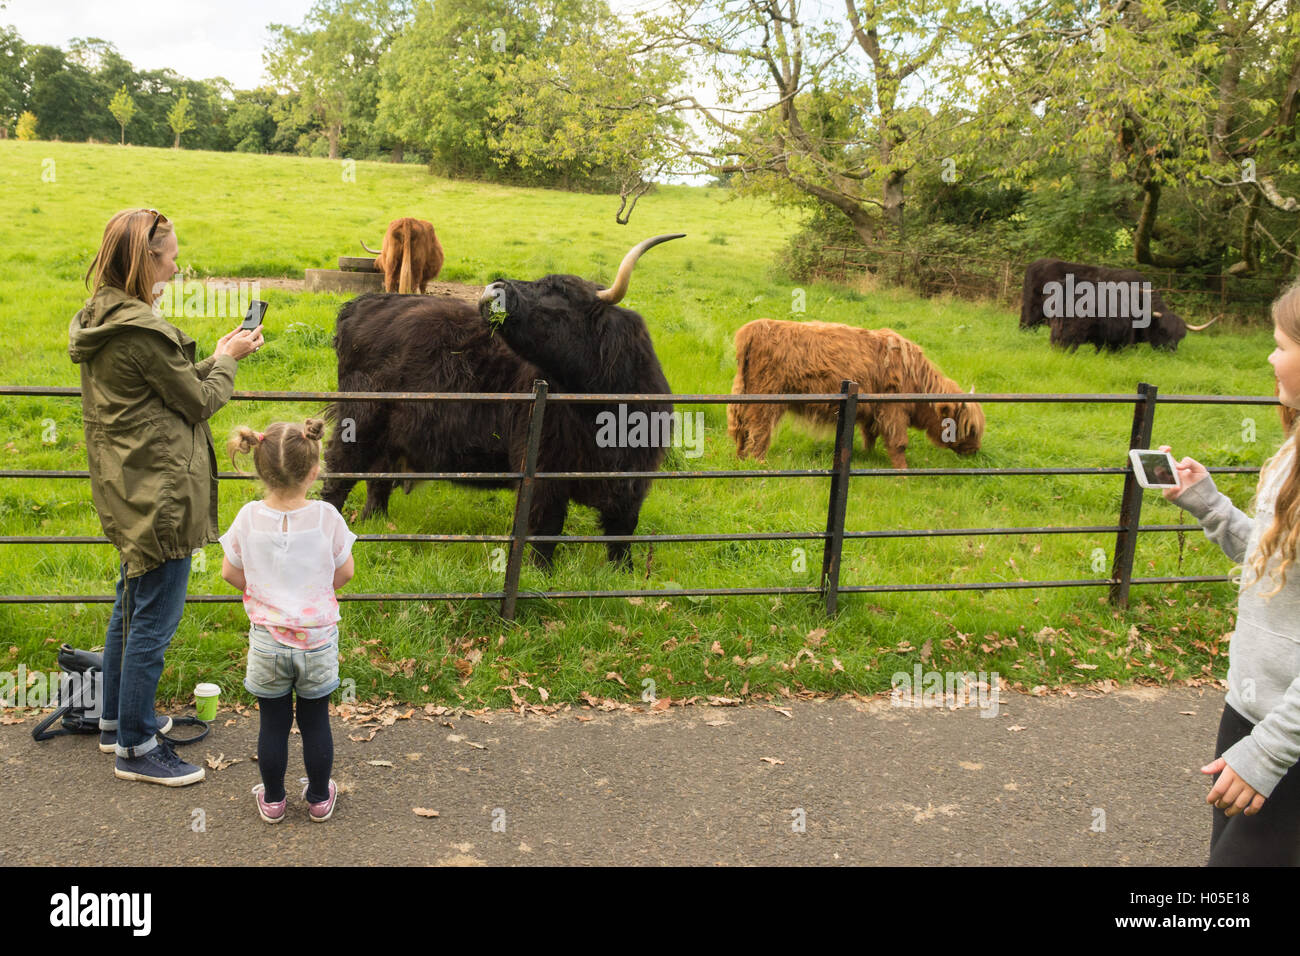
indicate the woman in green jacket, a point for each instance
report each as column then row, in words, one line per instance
column 153, row 475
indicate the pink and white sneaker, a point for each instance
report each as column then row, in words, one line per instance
column 320, row 811
column 270, row 812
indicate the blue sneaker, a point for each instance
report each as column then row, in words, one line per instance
column 160, row 765
column 108, row 738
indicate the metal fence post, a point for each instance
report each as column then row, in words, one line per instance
column 835, row 509
column 1130, row 513
column 524, row 501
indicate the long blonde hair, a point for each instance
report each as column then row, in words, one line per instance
column 126, row 253
column 1282, row 535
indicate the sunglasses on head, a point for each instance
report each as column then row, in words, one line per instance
column 157, row 218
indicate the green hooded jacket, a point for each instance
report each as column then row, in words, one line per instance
column 144, row 407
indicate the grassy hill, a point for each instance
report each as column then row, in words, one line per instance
column 259, row 216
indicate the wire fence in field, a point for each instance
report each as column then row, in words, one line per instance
column 1126, row 527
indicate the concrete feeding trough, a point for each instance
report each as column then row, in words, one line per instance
column 354, row 274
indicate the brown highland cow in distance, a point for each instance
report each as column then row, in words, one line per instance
column 780, row 357
column 410, row 255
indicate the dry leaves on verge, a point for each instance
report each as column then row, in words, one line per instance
column 220, row 762
column 424, row 812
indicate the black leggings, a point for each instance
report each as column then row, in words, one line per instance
column 1272, row 836
column 273, row 744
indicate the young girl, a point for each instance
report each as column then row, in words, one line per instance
column 1256, row 792
column 289, row 555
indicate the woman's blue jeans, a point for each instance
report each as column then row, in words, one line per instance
column 151, row 603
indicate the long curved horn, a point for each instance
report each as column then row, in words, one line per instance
column 373, row 252
column 614, row 294
column 1202, row 328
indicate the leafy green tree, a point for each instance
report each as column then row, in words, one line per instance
column 180, row 119
column 12, row 78
column 331, row 63
column 452, row 66
column 577, row 114
column 65, row 96
column 122, row 107
column 876, row 78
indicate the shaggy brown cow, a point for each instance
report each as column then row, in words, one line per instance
column 410, row 255
column 781, row 357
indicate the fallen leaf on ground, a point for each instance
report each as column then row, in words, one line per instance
column 424, row 812
column 772, row 760
column 220, row 762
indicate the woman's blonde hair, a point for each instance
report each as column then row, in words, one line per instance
column 1282, row 535
column 283, row 455
column 125, row 257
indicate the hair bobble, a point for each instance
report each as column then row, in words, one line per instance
column 261, row 436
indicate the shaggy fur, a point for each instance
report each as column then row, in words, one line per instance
column 1112, row 332
column 780, row 357
column 555, row 330
column 410, row 256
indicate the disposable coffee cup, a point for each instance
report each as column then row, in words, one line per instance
column 205, row 701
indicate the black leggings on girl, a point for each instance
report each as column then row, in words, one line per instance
column 273, row 744
column 1270, row 837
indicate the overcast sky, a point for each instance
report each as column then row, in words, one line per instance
column 198, row 39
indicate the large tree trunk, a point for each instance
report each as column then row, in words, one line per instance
column 397, row 154
column 335, row 130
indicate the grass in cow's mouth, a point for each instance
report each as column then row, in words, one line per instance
column 462, row 652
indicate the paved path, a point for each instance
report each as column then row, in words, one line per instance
column 876, row 784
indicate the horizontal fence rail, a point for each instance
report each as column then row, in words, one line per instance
column 1144, row 403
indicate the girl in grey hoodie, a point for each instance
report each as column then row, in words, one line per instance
column 1256, row 791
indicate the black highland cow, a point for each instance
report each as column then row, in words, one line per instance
column 561, row 328
column 1110, row 316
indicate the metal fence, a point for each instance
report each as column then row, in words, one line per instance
column 840, row 473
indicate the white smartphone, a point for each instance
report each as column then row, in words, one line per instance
column 1154, row 469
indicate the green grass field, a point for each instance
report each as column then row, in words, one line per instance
column 245, row 215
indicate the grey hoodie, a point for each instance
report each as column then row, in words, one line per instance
column 1264, row 654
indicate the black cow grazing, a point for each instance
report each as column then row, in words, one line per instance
column 1098, row 305
column 566, row 330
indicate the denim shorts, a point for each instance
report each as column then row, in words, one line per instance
column 274, row 668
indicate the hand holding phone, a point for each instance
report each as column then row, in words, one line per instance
column 1154, row 469
column 1188, row 472
column 256, row 310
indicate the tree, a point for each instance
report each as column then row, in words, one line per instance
column 882, row 70
column 66, row 97
column 27, row 126
column 331, row 63
column 123, row 108
column 180, row 119
column 455, row 63
column 577, row 113
column 12, row 78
